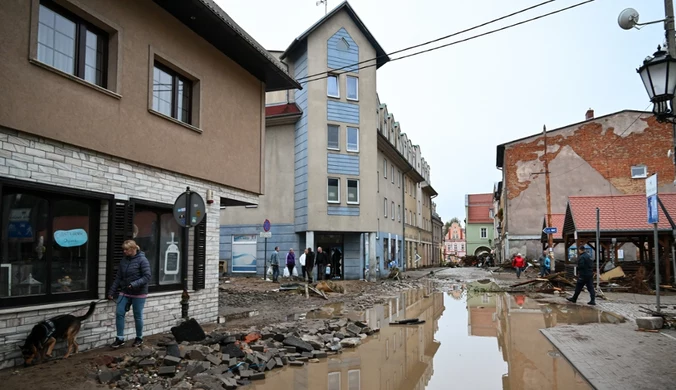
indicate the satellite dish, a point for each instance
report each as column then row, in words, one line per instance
column 628, row 19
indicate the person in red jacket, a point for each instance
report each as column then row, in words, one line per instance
column 518, row 263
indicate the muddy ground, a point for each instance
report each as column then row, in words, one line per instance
column 238, row 296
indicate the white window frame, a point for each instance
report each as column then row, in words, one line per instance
column 328, row 126
column 392, row 210
column 385, row 168
column 483, row 232
column 348, row 191
column 347, row 139
column 347, row 88
column 386, row 206
column 399, row 212
column 641, row 176
column 328, row 80
column 327, row 190
column 392, row 171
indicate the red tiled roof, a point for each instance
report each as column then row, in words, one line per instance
column 479, row 214
column 480, row 199
column 282, row 109
column 618, row 213
column 557, row 222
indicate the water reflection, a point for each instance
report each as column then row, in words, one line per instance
column 397, row 358
column 502, row 347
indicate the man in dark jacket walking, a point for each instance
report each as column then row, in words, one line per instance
column 309, row 264
column 133, row 276
column 321, row 260
column 585, row 269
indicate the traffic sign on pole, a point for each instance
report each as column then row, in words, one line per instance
column 651, row 199
column 266, row 234
column 550, row 230
column 266, row 225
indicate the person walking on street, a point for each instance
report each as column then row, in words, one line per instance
column 543, row 260
column 548, row 263
column 320, row 260
column 133, row 275
column 309, row 264
column 301, row 260
column 585, row 268
column 274, row 263
column 290, row 262
column 518, row 263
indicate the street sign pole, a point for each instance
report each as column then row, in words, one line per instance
column 598, row 244
column 266, row 228
column 653, row 218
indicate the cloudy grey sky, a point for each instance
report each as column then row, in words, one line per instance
column 460, row 102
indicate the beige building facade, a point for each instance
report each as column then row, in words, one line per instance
column 108, row 113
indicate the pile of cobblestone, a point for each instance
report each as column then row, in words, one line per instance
column 222, row 360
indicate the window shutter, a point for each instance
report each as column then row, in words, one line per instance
column 200, row 256
column 121, row 225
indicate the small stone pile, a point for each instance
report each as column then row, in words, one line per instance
column 224, row 360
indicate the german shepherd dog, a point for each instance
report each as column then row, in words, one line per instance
column 40, row 342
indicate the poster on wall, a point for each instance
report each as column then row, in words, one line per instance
column 244, row 253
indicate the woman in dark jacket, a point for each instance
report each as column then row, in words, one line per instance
column 132, row 280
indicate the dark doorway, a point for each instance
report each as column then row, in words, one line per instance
column 332, row 244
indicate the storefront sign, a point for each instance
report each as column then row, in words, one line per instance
column 70, row 238
column 172, row 257
column 244, row 251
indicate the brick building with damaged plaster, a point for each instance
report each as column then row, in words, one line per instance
column 608, row 155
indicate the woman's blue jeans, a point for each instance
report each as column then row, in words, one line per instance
column 137, row 308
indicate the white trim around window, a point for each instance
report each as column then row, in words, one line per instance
column 386, row 206
column 352, row 145
column 349, row 93
column 483, row 232
column 353, row 184
column 333, row 182
column 333, row 86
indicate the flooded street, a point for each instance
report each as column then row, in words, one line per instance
column 467, row 340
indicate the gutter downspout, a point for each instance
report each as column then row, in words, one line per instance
column 432, row 222
column 403, row 221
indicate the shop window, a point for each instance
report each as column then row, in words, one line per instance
column 49, row 247
column 161, row 239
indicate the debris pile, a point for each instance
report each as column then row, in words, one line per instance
column 223, row 360
column 553, row 283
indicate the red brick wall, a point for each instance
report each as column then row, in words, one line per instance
column 610, row 154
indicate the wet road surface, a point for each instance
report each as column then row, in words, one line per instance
column 469, row 340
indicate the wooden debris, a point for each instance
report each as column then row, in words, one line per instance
column 320, row 293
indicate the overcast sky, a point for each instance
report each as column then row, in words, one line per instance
column 460, row 102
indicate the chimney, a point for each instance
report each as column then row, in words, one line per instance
column 589, row 115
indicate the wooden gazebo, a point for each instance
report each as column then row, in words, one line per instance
column 623, row 218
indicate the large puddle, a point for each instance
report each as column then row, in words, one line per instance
column 469, row 340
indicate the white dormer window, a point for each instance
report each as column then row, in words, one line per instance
column 639, row 172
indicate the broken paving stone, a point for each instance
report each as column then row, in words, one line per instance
column 278, row 362
column 271, row 364
column 352, row 342
column 313, row 360
column 258, row 348
column 257, row 376
column 143, row 353
column 173, row 350
column 171, row 360
column 298, row 344
column 650, row 323
column 320, row 354
column 245, row 373
column 198, row 355
column 214, row 360
column 188, row 331
column 179, row 376
column 166, row 371
column 339, row 335
column 123, row 384
column 361, row 324
column 354, row 329
column 296, row 364
column 148, row 363
column 302, row 359
column 228, row 340
column 197, row 368
column 233, row 351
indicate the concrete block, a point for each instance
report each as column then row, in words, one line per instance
column 650, row 323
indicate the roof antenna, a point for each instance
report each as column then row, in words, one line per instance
column 326, row 5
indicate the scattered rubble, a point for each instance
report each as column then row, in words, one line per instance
column 224, row 360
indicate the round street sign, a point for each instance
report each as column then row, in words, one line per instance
column 266, row 225
column 197, row 209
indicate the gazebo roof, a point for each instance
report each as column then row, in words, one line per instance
column 621, row 214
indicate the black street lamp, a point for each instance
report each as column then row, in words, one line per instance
column 499, row 229
column 658, row 74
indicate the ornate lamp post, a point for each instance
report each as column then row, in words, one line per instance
column 658, row 74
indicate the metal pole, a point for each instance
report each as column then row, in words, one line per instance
column 184, row 257
column 265, row 259
column 673, row 254
column 657, row 266
column 598, row 245
column 669, row 27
